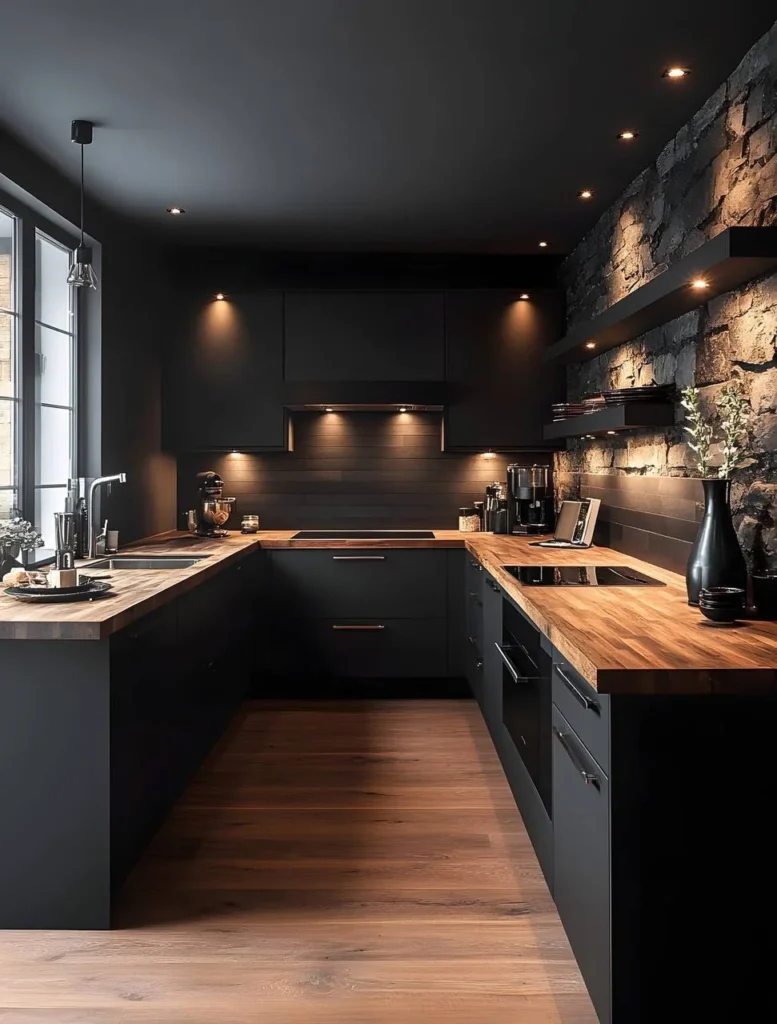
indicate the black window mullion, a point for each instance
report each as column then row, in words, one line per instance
column 26, row 264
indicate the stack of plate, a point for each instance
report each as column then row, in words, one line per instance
column 653, row 393
column 88, row 590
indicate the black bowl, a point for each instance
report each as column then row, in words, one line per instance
column 717, row 614
column 722, row 593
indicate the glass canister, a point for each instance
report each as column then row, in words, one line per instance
column 249, row 524
column 469, row 520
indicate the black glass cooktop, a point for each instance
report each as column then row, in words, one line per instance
column 581, row 576
column 364, row 535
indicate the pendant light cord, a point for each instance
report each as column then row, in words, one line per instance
column 82, row 193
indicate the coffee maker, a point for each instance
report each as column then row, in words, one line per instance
column 213, row 509
column 530, row 500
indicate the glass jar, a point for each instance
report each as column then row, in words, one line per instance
column 469, row 520
column 249, row 524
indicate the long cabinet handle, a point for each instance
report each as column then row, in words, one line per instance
column 508, row 663
column 590, row 778
column 358, row 629
column 577, row 693
column 358, row 558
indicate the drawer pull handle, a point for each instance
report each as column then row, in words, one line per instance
column 360, row 629
column 508, row 664
column 580, row 697
column 590, row 778
column 358, row 558
column 476, row 565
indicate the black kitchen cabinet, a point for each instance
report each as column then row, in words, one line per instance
column 491, row 703
column 223, row 373
column 500, row 392
column 581, row 860
column 364, row 336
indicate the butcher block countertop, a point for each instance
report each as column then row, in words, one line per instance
column 621, row 639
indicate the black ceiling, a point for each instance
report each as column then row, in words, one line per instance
column 448, row 125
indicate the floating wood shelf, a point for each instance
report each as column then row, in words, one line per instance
column 728, row 260
column 612, row 418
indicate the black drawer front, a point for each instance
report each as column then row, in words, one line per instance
column 356, row 582
column 581, row 868
column 373, row 649
column 587, row 711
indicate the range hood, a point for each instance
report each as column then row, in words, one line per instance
column 366, row 396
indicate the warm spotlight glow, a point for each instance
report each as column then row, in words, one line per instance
column 328, row 408
column 699, row 284
column 585, row 193
column 403, row 408
column 676, row 72
column 590, row 344
column 627, row 135
column 220, row 296
column 543, row 245
column 489, row 455
column 610, row 431
column 175, row 211
column 524, row 296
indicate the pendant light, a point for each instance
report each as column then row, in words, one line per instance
column 81, row 274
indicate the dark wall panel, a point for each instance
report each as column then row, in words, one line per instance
column 360, row 470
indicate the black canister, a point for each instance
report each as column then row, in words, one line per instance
column 765, row 593
column 500, row 517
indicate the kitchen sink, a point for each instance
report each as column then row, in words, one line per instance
column 147, row 562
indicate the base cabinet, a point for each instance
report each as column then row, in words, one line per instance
column 581, row 858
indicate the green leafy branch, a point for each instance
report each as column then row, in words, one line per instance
column 733, row 424
column 699, row 430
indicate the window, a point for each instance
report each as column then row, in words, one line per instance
column 9, row 377
column 38, row 368
column 54, row 380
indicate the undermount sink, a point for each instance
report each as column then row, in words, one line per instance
column 147, row 562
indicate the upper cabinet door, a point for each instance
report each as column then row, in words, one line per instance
column 365, row 336
column 500, row 391
column 223, row 375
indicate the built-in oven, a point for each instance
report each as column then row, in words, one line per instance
column 527, row 698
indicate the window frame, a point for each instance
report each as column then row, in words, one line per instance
column 29, row 223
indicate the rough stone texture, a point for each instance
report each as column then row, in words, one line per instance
column 720, row 170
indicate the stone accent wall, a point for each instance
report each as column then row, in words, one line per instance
column 720, row 170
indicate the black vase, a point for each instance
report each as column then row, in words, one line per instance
column 716, row 559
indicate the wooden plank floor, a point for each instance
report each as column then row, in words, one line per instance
column 332, row 863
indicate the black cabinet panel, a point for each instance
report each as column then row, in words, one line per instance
column 500, row 390
column 223, row 375
column 364, row 336
column 351, row 582
column 581, row 870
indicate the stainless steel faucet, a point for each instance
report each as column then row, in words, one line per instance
column 117, row 478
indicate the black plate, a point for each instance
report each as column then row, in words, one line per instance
column 94, row 590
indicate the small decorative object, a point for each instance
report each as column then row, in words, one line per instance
column 249, row 524
column 722, row 604
column 16, row 535
column 716, row 559
column 469, row 520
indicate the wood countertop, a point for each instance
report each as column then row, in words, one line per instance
column 622, row 640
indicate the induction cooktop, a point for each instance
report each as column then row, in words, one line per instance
column 581, row 576
column 364, row 535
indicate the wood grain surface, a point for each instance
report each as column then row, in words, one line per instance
column 333, row 863
column 622, row 640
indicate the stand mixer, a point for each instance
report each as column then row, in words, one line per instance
column 213, row 510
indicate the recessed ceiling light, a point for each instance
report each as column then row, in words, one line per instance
column 699, row 284
column 220, row 296
column 676, row 72
column 590, row 344
column 328, row 408
column 585, row 193
column 610, row 431
column 175, row 211
column 489, row 455
column 543, row 245
column 524, row 296
column 403, row 408
column 627, row 135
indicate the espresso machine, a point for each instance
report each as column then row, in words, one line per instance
column 213, row 509
column 530, row 500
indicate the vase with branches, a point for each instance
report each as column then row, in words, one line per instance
column 716, row 559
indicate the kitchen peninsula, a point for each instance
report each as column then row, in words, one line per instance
column 110, row 706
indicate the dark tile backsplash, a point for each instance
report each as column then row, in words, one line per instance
column 363, row 470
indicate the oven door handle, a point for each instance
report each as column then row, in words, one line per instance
column 516, row 675
column 590, row 778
